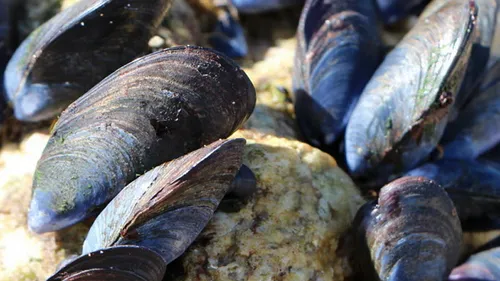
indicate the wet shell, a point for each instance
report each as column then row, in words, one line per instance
column 412, row 234
column 337, row 52
column 166, row 209
column 124, row 263
column 484, row 266
column 152, row 110
column 262, row 6
column 473, row 187
column 228, row 36
column 477, row 128
column 402, row 113
column 394, row 10
column 72, row 52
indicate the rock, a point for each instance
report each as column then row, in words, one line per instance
column 290, row 230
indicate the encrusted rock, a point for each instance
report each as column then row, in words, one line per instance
column 290, row 229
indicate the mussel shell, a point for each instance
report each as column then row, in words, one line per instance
column 262, row 6
column 402, row 112
column 228, row 36
column 473, row 185
column 76, row 49
column 165, row 209
column 393, row 10
column 413, row 233
column 337, row 52
column 115, row 263
column 477, row 128
column 152, row 110
column 482, row 266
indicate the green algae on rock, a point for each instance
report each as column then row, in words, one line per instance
column 290, row 229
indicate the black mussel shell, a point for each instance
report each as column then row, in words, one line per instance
column 393, row 10
column 402, row 112
column 477, row 128
column 152, row 110
column 337, row 52
column 473, row 186
column 413, row 233
column 483, row 266
column 72, row 52
column 165, row 209
column 262, row 6
column 124, row 263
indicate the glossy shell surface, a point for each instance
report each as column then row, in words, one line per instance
column 72, row 52
column 152, row 110
column 402, row 112
column 165, row 209
column 338, row 50
column 411, row 233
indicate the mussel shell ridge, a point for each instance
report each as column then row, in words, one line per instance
column 120, row 263
column 152, row 110
column 413, row 233
column 72, row 52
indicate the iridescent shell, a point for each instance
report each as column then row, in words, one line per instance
column 402, row 112
column 72, row 52
column 152, row 110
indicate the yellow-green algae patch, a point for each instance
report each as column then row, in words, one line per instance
column 290, row 230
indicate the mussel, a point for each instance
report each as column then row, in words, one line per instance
column 394, row 10
column 337, row 52
column 162, row 211
column 473, row 187
column 228, row 36
column 402, row 112
column 72, row 52
column 152, row 110
column 484, row 266
column 476, row 130
column 411, row 233
column 262, row 6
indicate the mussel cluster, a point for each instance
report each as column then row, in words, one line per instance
column 141, row 139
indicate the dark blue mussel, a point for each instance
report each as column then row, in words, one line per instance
column 484, row 266
column 473, row 185
column 477, row 128
column 161, row 213
column 72, row 52
column 228, row 36
column 402, row 112
column 394, row 10
column 152, row 110
column 337, row 52
column 262, row 6
column 411, row 233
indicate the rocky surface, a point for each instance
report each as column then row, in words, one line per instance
column 291, row 228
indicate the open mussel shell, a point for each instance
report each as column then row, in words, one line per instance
column 477, row 128
column 393, row 10
column 337, row 52
column 483, row 266
column 473, row 186
column 124, row 263
column 152, row 110
column 166, row 209
column 402, row 112
column 76, row 49
column 413, row 233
